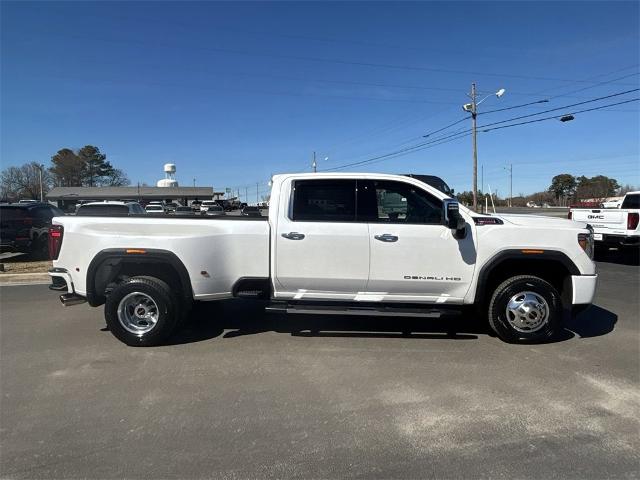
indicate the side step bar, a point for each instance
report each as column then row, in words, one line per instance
column 377, row 311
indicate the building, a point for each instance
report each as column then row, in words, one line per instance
column 67, row 197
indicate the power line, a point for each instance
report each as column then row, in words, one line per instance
column 588, row 79
column 562, row 107
column 483, row 127
column 448, row 126
column 559, row 116
column 513, row 107
column 401, row 151
column 484, row 113
column 596, row 85
column 320, row 59
column 445, row 139
column 537, row 113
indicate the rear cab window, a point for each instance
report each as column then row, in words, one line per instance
column 323, row 201
column 631, row 201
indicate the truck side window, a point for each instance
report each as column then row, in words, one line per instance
column 399, row 202
column 324, row 201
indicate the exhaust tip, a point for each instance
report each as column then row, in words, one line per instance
column 69, row 299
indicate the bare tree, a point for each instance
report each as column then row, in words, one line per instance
column 24, row 181
column 116, row 178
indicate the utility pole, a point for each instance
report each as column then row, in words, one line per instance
column 472, row 108
column 194, row 182
column 246, row 194
column 474, row 114
column 314, row 165
column 510, row 170
column 40, row 167
column 482, row 184
column 257, row 193
column 511, row 185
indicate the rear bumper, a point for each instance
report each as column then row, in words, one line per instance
column 18, row 245
column 61, row 280
column 618, row 240
column 584, row 289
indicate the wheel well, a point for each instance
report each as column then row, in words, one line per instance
column 107, row 272
column 553, row 271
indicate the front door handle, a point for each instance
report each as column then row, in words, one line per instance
column 293, row 235
column 387, row 238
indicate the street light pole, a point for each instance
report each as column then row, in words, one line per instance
column 314, row 164
column 474, row 110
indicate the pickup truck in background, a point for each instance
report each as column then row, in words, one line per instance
column 613, row 227
column 348, row 244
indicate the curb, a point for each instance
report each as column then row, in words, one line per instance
column 24, row 278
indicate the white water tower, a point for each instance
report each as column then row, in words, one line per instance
column 169, row 179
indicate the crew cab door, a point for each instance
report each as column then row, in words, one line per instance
column 320, row 249
column 414, row 256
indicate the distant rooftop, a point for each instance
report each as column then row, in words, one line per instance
column 120, row 193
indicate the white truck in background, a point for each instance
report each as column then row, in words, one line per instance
column 613, row 227
column 350, row 244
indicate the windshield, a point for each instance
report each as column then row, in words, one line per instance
column 631, row 201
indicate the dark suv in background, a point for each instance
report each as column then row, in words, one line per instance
column 24, row 227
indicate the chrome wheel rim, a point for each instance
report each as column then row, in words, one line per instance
column 527, row 312
column 138, row 313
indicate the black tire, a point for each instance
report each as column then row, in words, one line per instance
column 40, row 248
column 600, row 250
column 168, row 311
column 497, row 314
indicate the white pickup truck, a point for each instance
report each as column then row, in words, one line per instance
column 357, row 244
column 613, row 227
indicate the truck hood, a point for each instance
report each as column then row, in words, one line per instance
column 540, row 221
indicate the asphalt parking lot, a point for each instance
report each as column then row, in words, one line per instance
column 241, row 394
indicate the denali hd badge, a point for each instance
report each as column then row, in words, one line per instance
column 435, row 278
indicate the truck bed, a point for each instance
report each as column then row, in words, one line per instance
column 216, row 251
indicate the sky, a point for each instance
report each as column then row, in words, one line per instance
column 235, row 92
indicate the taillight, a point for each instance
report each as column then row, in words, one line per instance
column 570, row 215
column 585, row 240
column 632, row 220
column 55, row 241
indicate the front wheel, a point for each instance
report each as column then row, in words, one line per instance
column 142, row 311
column 525, row 309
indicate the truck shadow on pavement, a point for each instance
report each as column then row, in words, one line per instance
column 619, row 257
column 237, row 318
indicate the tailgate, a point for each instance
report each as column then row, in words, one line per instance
column 607, row 218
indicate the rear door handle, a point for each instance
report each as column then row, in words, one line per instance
column 387, row 238
column 293, row 235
